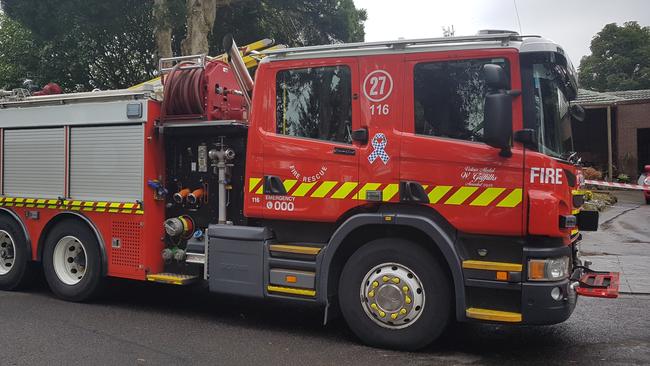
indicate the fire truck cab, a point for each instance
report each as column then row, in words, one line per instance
column 401, row 184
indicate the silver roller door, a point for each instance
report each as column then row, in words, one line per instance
column 34, row 163
column 106, row 163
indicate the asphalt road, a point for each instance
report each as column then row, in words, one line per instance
column 143, row 324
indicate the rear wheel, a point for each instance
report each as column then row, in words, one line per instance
column 15, row 269
column 72, row 261
column 394, row 293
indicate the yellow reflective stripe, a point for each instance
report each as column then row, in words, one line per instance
column 76, row 203
column 10, row 199
column 492, row 266
column 344, row 190
column 438, row 192
column 128, row 205
column 302, row 189
column 361, row 195
column 52, row 202
column 102, row 204
column 288, row 184
column 252, row 183
column 30, row 200
column 260, row 190
column 511, row 200
column 493, row 315
column 390, row 191
column 324, row 189
column 575, row 212
column 40, row 201
column 19, row 200
column 460, row 195
column 487, row 196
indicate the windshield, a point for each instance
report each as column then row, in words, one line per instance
column 552, row 118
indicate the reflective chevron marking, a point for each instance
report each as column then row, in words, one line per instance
column 438, row 194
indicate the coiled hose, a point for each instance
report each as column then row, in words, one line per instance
column 184, row 91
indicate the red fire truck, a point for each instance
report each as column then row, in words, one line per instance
column 401, row 184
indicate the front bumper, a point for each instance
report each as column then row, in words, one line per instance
column 537, row 304
column 539, row 307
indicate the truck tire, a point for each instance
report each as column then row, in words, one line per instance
column 395, row 294
column 15, row 264
column 72, row 261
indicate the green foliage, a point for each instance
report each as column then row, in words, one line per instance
column 18, row 53
column 619, row 60
column 86, row 44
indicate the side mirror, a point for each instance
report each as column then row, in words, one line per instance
column 497, row 112
column 495, row 77
column 577, row 112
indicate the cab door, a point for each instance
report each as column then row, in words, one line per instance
column 471, row 184
column 310, row 161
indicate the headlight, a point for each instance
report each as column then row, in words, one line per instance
column 647, row 181
column 550, row 269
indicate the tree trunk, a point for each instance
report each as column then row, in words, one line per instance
column 162, row 29
column 200, row 20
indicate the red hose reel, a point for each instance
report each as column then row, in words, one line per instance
column 209, row 92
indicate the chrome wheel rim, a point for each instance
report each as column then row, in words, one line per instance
column 69, row 260
column 7, row 252
column 392, row 295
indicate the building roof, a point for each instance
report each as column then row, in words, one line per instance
column 592, row 98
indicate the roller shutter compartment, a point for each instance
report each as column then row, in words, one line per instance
column 106, row 163
column 34, row 163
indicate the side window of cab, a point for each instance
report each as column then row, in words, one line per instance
column 449, row 97
column 315, row 103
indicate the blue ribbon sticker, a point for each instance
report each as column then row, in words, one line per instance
column 379, row 142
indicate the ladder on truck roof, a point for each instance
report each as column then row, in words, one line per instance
column 502, row 38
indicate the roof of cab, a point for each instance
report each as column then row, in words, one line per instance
column 527, row 43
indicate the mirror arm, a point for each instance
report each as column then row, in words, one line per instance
column 505, row 152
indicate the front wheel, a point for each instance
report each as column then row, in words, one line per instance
column 393, row 293
column 72, row 261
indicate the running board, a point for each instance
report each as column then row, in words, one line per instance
column 172, row 278
column 493, row 315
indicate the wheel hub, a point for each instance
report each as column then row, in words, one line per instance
column 7, row 252
column 69, row 260
column 392, row 295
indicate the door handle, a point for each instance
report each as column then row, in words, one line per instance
column 344, row 151
column 273, row 185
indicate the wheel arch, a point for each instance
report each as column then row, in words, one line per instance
column 21, row 224
column 370, row 226
column 70, row 215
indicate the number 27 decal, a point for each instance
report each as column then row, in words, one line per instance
column 377, row 86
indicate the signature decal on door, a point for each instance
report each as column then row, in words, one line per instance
column 379, row 142
column 479, row 177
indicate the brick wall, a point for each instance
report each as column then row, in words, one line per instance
column 630, row 117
